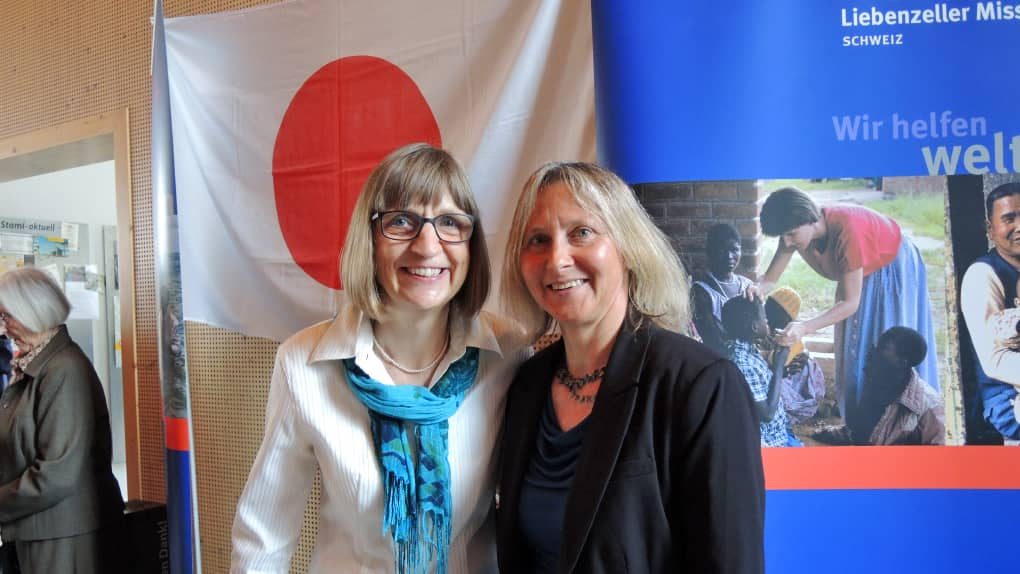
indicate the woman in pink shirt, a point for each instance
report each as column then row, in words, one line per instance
column 881, row 281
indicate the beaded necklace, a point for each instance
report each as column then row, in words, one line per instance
column 575, row 384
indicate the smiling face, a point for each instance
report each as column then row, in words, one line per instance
column 422, row 274
column 570, row 265
column 1004, row 228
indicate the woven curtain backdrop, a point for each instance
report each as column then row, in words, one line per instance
column 67, row 60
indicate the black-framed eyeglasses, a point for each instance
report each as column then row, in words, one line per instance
column 407, row 225
column 3, row 317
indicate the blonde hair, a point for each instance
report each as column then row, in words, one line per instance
column 658, row 285
column 33, row 298
column 416, row 174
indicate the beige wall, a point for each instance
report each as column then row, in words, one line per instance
column 67, row 60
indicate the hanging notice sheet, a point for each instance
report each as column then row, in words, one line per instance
column 16, row 243
column 31, row 236
column 83, row 290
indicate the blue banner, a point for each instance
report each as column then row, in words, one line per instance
column 856, row 531
column 179, row 511
column 185, row 555
column 745, row 90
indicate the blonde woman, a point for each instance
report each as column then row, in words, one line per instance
column 627, row 447
column 397, row 401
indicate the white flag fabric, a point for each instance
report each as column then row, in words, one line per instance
column 280, row 112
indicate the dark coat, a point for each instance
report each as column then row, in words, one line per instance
column 669, row 477
column 55, row 449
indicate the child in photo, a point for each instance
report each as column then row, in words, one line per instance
column 803, row 386
column 714, row 286
column 745, row 325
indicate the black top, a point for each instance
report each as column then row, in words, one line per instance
column 669, row 477
column 545, row 488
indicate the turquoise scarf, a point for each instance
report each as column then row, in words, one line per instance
column 419, row 524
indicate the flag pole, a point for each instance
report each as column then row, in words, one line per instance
column 185, row 557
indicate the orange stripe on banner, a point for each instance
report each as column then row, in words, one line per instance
column 176, row 434
column 892, row 467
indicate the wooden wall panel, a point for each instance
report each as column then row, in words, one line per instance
column 67, row 60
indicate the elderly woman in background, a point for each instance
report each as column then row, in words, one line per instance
column 627, row 447
column 60, row 505
column 881, row 280
column 398, row 400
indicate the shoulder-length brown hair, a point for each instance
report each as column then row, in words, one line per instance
column 785, row 209
column 416, row 174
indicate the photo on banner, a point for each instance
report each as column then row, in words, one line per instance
column 851, row 382
column 984, row 222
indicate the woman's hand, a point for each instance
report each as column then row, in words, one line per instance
column 794, row 332
column 754, row 292
column 848, row 299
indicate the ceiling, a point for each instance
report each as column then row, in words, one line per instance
column 74, row 154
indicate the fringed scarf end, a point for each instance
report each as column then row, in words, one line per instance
column 399, row 510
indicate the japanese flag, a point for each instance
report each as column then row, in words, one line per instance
column 280, row 112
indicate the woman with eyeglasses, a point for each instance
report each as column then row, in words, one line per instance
column 627, row 446
column 60, row 504
column 397, row 401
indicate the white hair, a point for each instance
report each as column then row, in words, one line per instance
column 33, row 298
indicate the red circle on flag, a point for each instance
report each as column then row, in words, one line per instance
column 340, row 124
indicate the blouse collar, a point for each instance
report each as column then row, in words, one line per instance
column 349, row 335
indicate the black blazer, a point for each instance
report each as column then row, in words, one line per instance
column 670, row 475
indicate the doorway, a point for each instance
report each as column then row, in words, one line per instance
column 65, row 207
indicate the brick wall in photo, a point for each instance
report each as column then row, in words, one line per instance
column 685, row 211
